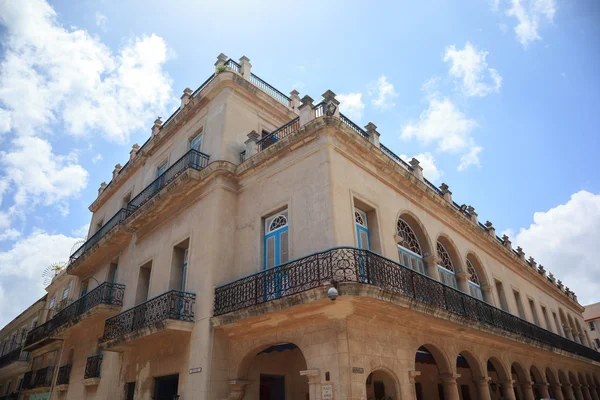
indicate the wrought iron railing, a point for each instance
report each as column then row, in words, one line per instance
column 192, row 159
column 233, row 66
column 347, row 264
column 265, row 87
column 278, row 134
column 64, row 373
column 13, row 356
column 174, row 304
column 107, row 293
column 39, row 378
column 353, row 126
column 92, row 366
column 205, row 84
column 109, row 225
column 319, row 109
column 394, row 157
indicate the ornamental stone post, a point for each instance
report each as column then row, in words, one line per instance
column 116, row 170
column 483, row 388
column 506, row 242
column 101, row 188
column 371, row 129
column 295, row 101
column 446, row 192
column 251, row 144
column 450, row 386
column 306, row 110
column 133, row 151
column 186, row 96
column 331, row 105
column 221, row 60
column 156, row 127
column 237, row 387
column 314, row 383
column 245, row 67
column 417, row 170
column 472, row 214
column 490, row 228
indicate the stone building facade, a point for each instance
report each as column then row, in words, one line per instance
column 591, row 314
column 260, row 246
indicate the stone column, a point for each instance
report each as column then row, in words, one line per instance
column 594, row 392
column 527, row 390
column 578, row 392
column 186, row 97
column 558, row 394
column 431, row 266
column 412, row 376
column 483, row 388
column 486, row 289
column 221, row 60
column 568, row 395
column 586, row 392
column 568, row 332
column 295, row 100
column 245, row 67
column 508, row 389
column 306, row 110
column 237, row 387
column 542, row 389
column 462, row 278
column 450, row 386
column 314, row 383
column 371, row 129
column 251, row 144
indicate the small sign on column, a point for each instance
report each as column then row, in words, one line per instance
column 327, row 391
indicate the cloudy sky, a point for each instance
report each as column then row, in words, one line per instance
column 499, row 99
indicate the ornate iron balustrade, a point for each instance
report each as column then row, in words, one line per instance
column 14, row 355
column 394, row 157
column 353, row 126
column 233, row 66
column 271, row 90
column 278, row 134
column 192, row 159
column 42, row 377
column 107, row 293
column 92, row 366
column 64, row 373
column 347, row 264
column 319, row 110
column 174, row 304
column 108, row 226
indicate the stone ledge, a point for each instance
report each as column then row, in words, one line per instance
column 91, row 381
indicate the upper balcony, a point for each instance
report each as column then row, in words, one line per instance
column 104, row 300
column 14, row 359
column 169, row 314
column 39, row 380
column 353, row 271
column 115, row 233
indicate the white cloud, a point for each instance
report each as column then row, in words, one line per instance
column 10, row 234
column 351, row 105
column 442, row 123
column 97, row 157
column 427, row 162
column 470, row 158
column 52, row 74
column 21, row 270
column 385, row 94
column 4, row 121
column 470, row 66
column 565, row 239
column 101, row 21
column 529, row 18
column 38, row 175
column 82, row 231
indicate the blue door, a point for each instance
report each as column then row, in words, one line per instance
column 276, row 251
column 363, row 239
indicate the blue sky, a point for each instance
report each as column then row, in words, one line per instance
column 498, row 99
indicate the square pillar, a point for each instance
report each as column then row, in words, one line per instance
column 245, row 68
column 314, row 383
column 306, row 110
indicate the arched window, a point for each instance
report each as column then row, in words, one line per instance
column 409, row 249
column 445, row 266
column 474, row 284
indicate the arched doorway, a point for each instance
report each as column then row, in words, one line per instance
column 471, row 381
column 500, row 383
column 521, row 380
column 381, row 385
column 273, row 373
column 540, row 387
column 432, row 365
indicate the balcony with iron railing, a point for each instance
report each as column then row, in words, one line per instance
column 93, row 365
column 63, row 376
column 112, row 237
column 172, row 311
column 41, row 378
column 348, row 265
column 106, row 299
column 15, row 356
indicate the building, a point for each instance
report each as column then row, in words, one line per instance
column 592, row 318
column 14, row 362
column 260, row 246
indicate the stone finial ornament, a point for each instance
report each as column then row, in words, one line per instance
column 306, row 110
column 417, row 170
column 551, row 277
column 186, row 97
column 472, row 214
column 221, row 60
column 521, row 253
column 506, row 241
column 331, row 106
column 446, row 193
column 295, row 100
column 542, row 270
column 133, row 151
column 559, row 284
column 371, row 129
column 116, row 170
column 102, row 187
column 245, row 67
column 532, row 262
column 157, row 125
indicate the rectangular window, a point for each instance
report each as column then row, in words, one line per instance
column 179, row 265
column 519, row 304
column 112, row 272
column 501, row 295
column 66, row 291
column 130, row 391
column 143, row 286
column 546, row 319
column 196, row 142
column 592, row 326
column 162, row 168
column 126, row 200
column 556, row 324
column 533, row 311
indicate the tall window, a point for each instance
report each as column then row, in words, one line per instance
column 196, row 142
column 409, row 249
column 276, row 246
column 162, row 168
column 501, row 296
column 445, row 266
column 519, row 304
column 474, row 283
column 592, row 326
column 533, row 311
column 51, row 306
column 546, row 319
column 362, row 229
